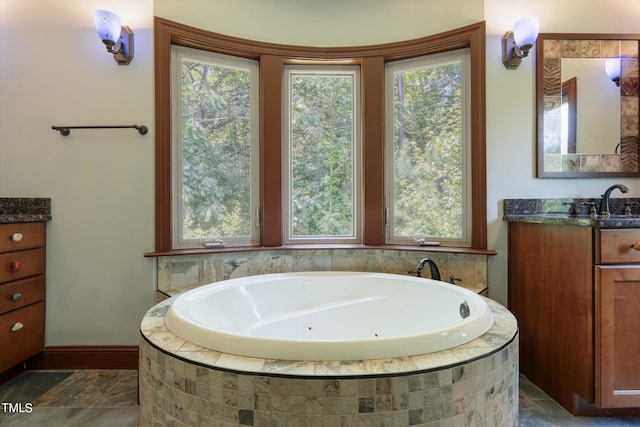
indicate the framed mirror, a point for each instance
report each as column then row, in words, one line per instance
column 587, row 121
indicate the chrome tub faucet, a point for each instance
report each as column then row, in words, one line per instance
column 435, row 273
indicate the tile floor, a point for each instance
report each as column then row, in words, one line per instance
column 84, row 398
column 97, row 398
column 536, row 409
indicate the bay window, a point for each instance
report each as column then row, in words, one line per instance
column 280, row 145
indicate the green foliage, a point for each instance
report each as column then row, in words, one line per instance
column 322, row 155
column 216, row 150
column 428, row 152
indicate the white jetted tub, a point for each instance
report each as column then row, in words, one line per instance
column 319, row 316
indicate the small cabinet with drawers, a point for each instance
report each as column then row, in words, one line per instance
column 22, row 291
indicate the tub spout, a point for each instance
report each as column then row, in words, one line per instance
column 435, row 273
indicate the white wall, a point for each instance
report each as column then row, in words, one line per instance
column 323, row 22
column 54, row 70
column 511, row 112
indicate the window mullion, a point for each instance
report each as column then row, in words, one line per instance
column 271, row 69
column 372, row 81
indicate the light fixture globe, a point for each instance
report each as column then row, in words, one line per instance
column 516, row 44
column 118, row 38
column 108, row 27
column 612, row 68
column 525, row 32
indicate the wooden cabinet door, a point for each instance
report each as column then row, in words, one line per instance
column 551, row 295
column 618, row 336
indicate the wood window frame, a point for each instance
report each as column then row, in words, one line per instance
column 352, row 72
column 272, row 59
column 393, row 193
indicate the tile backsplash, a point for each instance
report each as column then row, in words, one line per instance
column 178, row 273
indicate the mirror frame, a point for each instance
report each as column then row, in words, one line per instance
column 548, row 80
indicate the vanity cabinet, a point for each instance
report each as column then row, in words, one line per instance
column 575, row 291
column 22, row 292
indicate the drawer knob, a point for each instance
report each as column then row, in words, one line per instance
column 17, row 326
column 16, row 237
column 636, row 246
column 16, row 296
column 16, row 266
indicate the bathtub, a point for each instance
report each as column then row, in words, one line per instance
column 323, row 316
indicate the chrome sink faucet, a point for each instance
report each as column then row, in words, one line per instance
column 604, row 203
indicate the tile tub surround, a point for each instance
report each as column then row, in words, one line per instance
column 22, row 209
column 187, row 385
column 177, row 273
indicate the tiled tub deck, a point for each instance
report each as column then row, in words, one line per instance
column 186, row 385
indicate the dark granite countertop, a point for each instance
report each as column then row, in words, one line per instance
column 572, row 212
column 23, row 209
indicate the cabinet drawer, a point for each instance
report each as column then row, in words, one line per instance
column 14, row 295
column 26, row 340
column 21, row 264
column 23, row 235
column 614, row 246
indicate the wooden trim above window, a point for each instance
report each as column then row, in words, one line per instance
column 184, row 35
column 272, row 59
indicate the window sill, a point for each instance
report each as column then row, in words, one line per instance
column 410, row 248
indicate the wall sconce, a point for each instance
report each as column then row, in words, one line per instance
column 517, row 43
column 117, row 38
column 612, row 67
